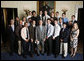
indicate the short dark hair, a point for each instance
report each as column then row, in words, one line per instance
column 64, row 23
column 57, row 12
column 60, row 18
column 55, row 19
column 49, row 19
column 64, row 13
column 73, row 16
column 33, row 11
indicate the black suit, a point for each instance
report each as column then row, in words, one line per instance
column 32, row 34
column 35, row 18
column 39, row 17
column 64, row 35
column 12, row 39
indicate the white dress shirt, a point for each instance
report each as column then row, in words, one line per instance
column 28, row 17
column 24, row 33
column 56, row 30
column 50, row 30
column 12, row 27
column 45, row 20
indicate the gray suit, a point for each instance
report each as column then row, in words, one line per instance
column 40, row 35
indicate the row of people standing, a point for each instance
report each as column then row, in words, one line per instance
column 40, row 34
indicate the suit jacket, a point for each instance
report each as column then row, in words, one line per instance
column 18, row 32
column 64, row 35
column 45, row 20
column 39, row 17
column 32, row 32
column 11, row 33
column 40, row 35
column 35, row 18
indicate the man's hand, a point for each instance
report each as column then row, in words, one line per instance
column 53, row 38
column 46, row 37
column 26, row 40
column 31, row 40
column 61, row 40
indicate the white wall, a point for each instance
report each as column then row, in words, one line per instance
column 71, row 5
column 32, row 5
column 20, row 5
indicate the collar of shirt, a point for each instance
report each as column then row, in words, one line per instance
column 33, row 25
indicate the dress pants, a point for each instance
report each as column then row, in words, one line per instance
column 56, row 45
column 19, row 47
column 49, row 45
column 42, row 47
column 31, row 47
column 64, row 49
column 12, row 46
column 25, row 47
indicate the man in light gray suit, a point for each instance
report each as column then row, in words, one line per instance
column 40, row 37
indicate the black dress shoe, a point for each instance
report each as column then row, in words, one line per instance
column 38, row 54
column 24, row 56
column 42, row 53
column 11, row 54
column 48, row 54
column 31, row 55
column 56, row 56
column 64, row 57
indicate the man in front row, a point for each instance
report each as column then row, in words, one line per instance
column 25, row 39
column 40, row 37
column 56, row 34
column 49, row 34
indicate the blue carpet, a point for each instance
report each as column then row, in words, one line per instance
column 6, row 56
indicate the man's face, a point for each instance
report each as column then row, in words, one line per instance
column 24, row 19
column 17, row 18
column 45, row 12
column 40, row 22
column 60, row 20
column 48, row 21
column 64, row 25
column 20, row 22
column 26, row 25
column 12, row 21
column 34, row 14
column 40, row 12
column 72, row 18
column 55, row 22
column 63, row 15
column 33, row 22
column 57, row 14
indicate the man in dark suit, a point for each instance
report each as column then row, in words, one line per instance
column 40, row 16
column 12, row 36
column 17, row 21
column 34, row 17
column 64, row 35
column 32, row 33
column 18, row 36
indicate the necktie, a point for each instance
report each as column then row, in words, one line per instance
column 47, row 31
column 27, row 33
column 41, row 28
column 45, row 18
column 54, row 31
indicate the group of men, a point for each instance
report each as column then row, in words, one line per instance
column 40, row 34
